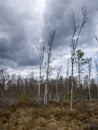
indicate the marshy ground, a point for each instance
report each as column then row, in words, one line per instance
column 26, row 115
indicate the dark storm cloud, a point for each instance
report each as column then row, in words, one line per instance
column 20, row 29
column 58, row 16
column 14, row 43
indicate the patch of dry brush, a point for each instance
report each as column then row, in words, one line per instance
column 29, row 116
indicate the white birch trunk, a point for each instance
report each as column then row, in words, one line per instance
column 46, row 95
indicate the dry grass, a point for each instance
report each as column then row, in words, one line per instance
column 28, row 116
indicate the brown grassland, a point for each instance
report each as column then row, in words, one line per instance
column 26, row 115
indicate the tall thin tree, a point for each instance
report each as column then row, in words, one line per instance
column 97, row 68
column 74, row 41
column 89, row 77
column 97, row 76
column 41, row 49
column 57, row 80
column 81, row 61
column 49, row 50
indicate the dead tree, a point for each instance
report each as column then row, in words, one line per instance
column 57, row 78
column 97, row 76
column 3, row 80
column 67, row 77
column 97, row 69
column 74, row 42
column 48, row 49
column 41, row 50
column 89, row 78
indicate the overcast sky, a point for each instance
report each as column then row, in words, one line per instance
column 25, row 23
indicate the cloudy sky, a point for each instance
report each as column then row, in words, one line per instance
column 24, row 24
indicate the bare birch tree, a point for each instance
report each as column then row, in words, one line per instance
column 97, row 69
column 57, row 78
column 89, row 78
column 49, row 50
column 97, row 76
column 67, row 77
column 41, row 50
column 74, row 42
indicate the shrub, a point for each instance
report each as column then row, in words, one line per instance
column 23, row 98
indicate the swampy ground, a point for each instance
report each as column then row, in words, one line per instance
column 26, row 115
